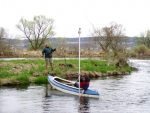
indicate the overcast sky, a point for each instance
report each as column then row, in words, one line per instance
column 69, row 15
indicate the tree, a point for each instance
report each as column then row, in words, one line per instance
column 37, row 31
column 144, row 39
column 4, row 41
column 102, row 38
column 109, row 38
column 2, row 37
column 7, row 43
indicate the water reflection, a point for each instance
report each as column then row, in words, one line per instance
column 46, row 91
column 84, row 105
column 17, row 87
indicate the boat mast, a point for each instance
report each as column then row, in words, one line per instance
column 79, row 32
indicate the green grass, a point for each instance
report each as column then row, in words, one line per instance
column 31, row 71
column 38, row 66
column 41, row 80
column 23, row 79
column 3, row 74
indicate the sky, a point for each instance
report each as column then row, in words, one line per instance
column 70, row 15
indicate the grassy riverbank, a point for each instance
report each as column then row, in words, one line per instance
column 33, row 71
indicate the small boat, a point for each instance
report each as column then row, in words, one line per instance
column 67, row 86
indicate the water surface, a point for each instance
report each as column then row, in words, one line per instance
column 122, row 94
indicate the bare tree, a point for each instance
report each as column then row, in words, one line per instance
column 102, row 39
column 2, row 37
column 37, row 31
column 109, row 38
column 118, row 39
column 112, row 38
column 4, row 42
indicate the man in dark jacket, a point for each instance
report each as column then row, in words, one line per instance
column 47, row 52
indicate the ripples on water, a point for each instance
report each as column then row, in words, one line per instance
column 123, row 94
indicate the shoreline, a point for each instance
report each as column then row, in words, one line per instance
column 26, row 71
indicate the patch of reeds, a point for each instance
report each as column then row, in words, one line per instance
column 41, row 80
column 23, row 79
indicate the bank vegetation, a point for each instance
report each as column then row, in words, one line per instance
column 27, row 71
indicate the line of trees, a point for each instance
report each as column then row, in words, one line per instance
column 109, row 38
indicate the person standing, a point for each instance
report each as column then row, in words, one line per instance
column 47, row 52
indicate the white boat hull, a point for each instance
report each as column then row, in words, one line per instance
column 70, row 89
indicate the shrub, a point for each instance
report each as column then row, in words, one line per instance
column 140, row 49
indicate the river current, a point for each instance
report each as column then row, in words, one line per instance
column 121, row 94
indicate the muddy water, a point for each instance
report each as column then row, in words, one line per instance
column 127, row 94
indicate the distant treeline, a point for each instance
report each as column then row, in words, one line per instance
column 70, row 40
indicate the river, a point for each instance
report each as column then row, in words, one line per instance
column 122, row 94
